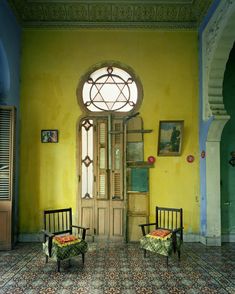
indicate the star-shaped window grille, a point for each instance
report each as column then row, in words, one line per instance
column 110, row 89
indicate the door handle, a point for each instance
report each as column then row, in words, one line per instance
column 227, row 203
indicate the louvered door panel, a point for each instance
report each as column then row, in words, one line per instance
column 117, row 158
column 117, row 204
column 7, row 137
column 102, row 160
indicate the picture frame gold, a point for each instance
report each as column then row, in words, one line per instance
column 170, row 137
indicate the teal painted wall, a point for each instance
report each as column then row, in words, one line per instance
column 228, row 145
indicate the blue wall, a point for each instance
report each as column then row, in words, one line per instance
column 10, row 38
column 10, row 34
column 204, row 125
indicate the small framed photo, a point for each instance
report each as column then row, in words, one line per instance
column 170, row 137
column 49, row 136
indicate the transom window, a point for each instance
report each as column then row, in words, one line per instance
column 110, row 89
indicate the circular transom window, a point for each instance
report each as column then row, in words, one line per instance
column 110, row 89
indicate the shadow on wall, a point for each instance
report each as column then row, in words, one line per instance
column 4, row 74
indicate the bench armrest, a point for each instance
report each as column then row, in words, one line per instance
column 48, row 234
column 146, row 225
column 150, row 224
column 83, row 230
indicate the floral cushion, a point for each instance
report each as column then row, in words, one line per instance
column 65, row 240
column 160, row 233
column 65, row 247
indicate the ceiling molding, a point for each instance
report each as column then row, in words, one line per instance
column 119, row 14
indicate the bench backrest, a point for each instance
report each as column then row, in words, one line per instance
column 170, row 218
column 58, row 221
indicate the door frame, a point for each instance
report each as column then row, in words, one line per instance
column 216, row 46
column 93, row 205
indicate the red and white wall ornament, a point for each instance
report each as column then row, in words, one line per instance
column 203, row 154
column 151, row 159
column 190, row 158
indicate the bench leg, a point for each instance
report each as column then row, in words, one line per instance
column 178, row 256
column 58, row 265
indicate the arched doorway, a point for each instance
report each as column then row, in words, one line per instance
column 217, row 41
column 227, row 151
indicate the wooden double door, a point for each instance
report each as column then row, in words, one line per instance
column 102, row 203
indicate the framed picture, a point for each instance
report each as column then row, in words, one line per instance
column 49, row 136
column 170, row 137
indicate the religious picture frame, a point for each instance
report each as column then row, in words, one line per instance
column 49, row 136
column 170, row 137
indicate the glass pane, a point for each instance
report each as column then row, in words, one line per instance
column 110, row 89
column 90, row 143
column 87, row 181
column 87, row 176
column 102, row 158
column 84, row 143
column 117, row 157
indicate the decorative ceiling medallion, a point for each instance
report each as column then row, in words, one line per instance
column 93, row 13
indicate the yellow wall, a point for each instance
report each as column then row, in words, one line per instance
column 53, row 62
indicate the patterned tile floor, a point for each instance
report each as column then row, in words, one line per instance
column 119, row 268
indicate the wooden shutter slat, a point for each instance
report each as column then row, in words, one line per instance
column 7, row 136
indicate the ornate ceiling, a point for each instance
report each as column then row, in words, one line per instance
column 111, row 13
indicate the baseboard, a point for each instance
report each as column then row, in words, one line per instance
column 203, row 240
column 193, row 238
column 30, row 238
column 210, row 241
column 228, row 238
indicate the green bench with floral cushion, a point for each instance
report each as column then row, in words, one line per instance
column 166, row 234
column 62, row 239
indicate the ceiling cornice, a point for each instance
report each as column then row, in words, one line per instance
column 170, row 14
